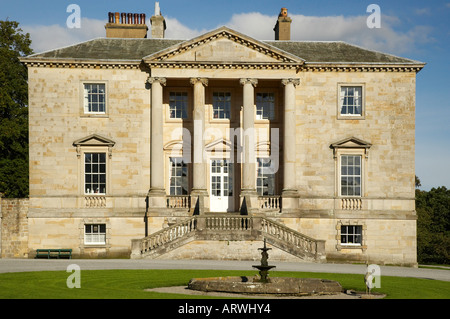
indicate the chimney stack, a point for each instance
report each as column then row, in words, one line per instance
column 126, row 25
column 158, row 23
column 283, row 27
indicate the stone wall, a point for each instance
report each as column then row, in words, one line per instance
column 14, row 228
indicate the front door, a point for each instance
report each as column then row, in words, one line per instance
column 222, row 193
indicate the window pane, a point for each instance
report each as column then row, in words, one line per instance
column 351, row 100
column 350, row 175
column 94, row 98
column 95, row 173
column 178, row 103
column 221, row 105
column 179, row 178
column 265, row 106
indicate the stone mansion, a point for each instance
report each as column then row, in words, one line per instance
column 146, row 147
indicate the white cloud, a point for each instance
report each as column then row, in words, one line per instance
column 311, row 28
column 176, row 30
column 55, row 36
column 336, row 28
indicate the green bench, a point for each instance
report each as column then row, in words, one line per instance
column 54, row 253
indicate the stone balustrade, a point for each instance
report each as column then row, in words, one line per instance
column 269, row 202
column 227, row 227
column 179, row 201
column 94, row 201
column 351, row 203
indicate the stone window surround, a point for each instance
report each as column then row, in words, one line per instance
column 83, row 113
column 93, row 144
column 340, row 246
column 363, row 101
column 351, row 146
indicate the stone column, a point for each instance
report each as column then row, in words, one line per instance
column 289, row 152
column 199, row 188
column 157, row 188
column 249, row 165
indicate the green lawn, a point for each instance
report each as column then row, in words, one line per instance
column 130, row 284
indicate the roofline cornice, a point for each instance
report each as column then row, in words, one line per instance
column 361, row 67
column 80, row 63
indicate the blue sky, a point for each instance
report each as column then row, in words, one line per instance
column 417, row 30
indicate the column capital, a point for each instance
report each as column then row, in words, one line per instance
column 295, row 82
column 152, row 80
column 203, row 81
column 253, row 82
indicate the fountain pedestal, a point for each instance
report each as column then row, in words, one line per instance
column 264, row 267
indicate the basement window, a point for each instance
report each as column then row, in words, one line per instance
column 95, row 234
column 351, row 235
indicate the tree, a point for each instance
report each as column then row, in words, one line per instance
column 433, row 225
column 13, row 110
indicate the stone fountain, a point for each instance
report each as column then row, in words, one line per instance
column 263, row 285
column 264, row 267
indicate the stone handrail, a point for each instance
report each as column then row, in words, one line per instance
column 224, row 227
column 294, row 239
column 167, row 235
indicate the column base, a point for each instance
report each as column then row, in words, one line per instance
column 289, row 199
column 157, row 198
column 198, row 196
column 248, row 202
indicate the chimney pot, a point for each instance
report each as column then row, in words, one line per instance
column 283, row 26
column 126, row 25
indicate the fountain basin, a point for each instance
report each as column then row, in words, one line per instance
column 275, row 286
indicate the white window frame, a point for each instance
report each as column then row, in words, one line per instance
column 341, row 99
column 260, row 190
column 220, row 91
column 85, row 102
column 95, row 232
column 261, row 105
column 105, row 173
column 351, row 222
column 172, row 160
column 357, row 231
column 347, row 167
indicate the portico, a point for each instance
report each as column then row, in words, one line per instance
column 221, row 153
column 221, row 111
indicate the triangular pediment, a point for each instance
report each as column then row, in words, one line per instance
column 223, row 45
column 351, row 142
column 94, row 140
column 219, row 145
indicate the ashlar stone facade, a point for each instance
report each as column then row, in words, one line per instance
column 134, row 137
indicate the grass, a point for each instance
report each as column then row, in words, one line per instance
column 130, row 284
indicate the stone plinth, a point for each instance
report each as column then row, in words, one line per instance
column 276, row 286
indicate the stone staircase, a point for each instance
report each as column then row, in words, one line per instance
column 229, row 227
